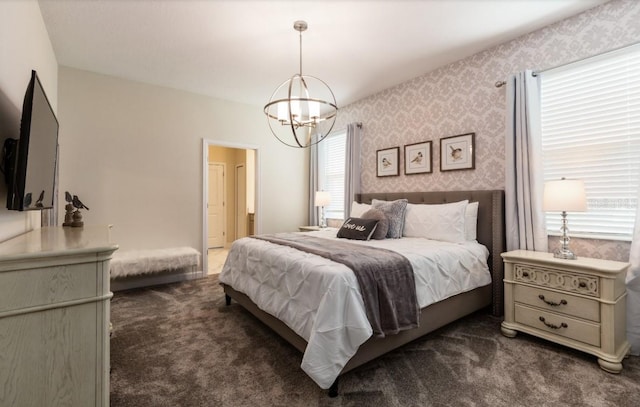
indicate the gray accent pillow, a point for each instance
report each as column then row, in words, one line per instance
column 383, row 223
column 394, row 211
column 357, row 228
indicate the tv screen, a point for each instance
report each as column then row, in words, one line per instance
column 32, row 163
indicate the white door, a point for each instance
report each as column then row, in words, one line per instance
column 241, row 201
column 215, row 206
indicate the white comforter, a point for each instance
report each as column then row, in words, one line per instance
column 320, row 300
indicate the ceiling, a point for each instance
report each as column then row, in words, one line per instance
column 242, row 50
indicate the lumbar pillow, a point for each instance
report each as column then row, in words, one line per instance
column 357, row 228
column 471, row 221
column 357, row 209
column 383, row 223
column 445, row 222
column 394, row 211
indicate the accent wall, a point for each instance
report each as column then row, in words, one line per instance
column 462, row 97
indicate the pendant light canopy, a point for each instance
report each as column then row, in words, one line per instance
column 299, row 105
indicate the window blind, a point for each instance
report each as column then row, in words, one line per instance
column 331, row 172
column 590, row 123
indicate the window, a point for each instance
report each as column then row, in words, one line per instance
column 331, row 169
column 590, row 117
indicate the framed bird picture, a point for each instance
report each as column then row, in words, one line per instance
column 417, row 158
column 388, row 162
column 458, row 152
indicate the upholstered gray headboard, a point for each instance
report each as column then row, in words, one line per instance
column 490, row 224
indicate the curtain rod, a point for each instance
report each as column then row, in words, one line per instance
column 536, row 73
column 500, row 84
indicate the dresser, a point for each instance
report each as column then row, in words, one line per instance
column 577, row 303
column 54, row 318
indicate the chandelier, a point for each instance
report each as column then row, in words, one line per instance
column 299, row 105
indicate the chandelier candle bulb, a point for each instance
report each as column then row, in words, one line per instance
column 314, row 111
column 283, row 112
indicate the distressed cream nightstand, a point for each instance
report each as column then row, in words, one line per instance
column 577, row 303
column 309, row 228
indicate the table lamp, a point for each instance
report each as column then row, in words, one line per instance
column 323, row 198
column 564, row 195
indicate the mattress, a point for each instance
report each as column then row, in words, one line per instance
column 320, row 300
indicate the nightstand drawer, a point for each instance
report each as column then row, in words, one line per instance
column 561, row 280
column 558, row 302
column 558, row 324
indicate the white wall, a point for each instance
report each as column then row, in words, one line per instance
column 24, row 45
column 132, row 152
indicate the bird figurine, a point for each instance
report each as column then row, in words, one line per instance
column 40, row 199
column 67, row 197
column 27, row 199
column 77, row 203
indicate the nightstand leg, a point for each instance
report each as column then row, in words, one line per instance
column 509, row 333
column 611, row 367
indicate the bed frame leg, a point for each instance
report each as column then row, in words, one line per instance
column 227, row 299
column 333, row 390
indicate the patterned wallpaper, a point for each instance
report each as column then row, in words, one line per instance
column 461, row 98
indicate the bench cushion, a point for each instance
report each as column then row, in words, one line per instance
column 137, row 262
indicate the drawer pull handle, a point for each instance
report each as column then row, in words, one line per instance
column 552, row 326
column 582, row 284
column 525, row 274
column 553, row 304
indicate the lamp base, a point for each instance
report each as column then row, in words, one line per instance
column 564, row 253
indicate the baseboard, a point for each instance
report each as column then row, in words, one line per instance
column 146, row 280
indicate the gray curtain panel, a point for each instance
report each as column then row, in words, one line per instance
column 524, row 183
column 352, row 166
column 314, row 218
column 633, row 288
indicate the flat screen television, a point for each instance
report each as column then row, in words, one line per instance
column 30, row 161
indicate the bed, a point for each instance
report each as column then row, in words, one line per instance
column 313, row 331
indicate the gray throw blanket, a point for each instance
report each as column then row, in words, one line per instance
column 386, row 278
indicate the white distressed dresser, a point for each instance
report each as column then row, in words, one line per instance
column 54, row 318
column 577, row 303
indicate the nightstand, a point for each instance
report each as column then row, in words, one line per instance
column 309, row 228
column 577, row 303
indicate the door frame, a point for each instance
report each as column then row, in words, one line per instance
column 236, row 190
column 205, row 191
column 224, row 201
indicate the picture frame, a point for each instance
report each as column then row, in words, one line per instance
column 418, row 158
column 388, row 162
column 457, row 152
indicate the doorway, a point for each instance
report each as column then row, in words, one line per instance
column 230, row 198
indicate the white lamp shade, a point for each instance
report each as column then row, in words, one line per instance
column 323, row 198
column 564, row 195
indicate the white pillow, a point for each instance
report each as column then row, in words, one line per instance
column 445, row 222
column 357, row 209
column 471, row 221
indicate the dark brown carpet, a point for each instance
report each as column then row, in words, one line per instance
column 178, row 345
